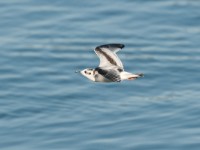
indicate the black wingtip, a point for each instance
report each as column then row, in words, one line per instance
column 121, row 46
column 117, row 45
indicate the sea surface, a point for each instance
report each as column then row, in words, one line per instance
column 45, row 105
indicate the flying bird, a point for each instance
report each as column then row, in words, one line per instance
column 110, row 68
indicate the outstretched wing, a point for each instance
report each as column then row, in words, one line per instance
column 107, row 55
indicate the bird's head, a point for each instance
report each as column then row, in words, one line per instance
column 88, row 73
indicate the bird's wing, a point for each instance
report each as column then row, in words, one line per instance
column 111, row 74
column 107, row 55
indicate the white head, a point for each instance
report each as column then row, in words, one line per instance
column 88, row 73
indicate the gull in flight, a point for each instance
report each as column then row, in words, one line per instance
column 110, row 68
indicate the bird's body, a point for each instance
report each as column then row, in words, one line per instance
column 110, row 68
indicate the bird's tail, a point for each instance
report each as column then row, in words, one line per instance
column 131, row 76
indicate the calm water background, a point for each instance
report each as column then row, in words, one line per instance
column 44, row 105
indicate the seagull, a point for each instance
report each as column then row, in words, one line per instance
column 110, row 68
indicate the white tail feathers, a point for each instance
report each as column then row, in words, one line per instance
column 130, row 76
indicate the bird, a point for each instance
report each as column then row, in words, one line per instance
column 110, row 68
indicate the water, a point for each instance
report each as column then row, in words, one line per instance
column 44, row 105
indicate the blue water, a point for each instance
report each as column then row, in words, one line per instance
column 44, row 105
